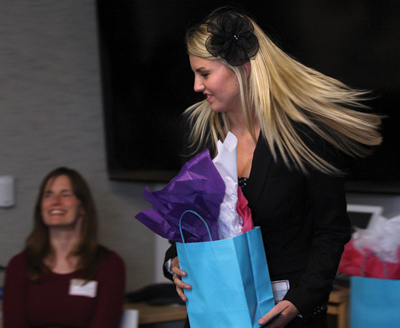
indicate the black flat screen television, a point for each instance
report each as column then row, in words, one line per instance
column 147, row 82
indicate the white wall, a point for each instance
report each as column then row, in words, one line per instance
column 51, row 115
column 389, row 203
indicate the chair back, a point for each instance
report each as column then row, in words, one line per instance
column 130, row 319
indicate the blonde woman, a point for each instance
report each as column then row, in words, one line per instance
column 295, row 127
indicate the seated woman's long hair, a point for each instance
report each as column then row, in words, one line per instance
column 37, row 245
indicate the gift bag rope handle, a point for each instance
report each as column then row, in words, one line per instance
column 180, row 224
column 364, row 263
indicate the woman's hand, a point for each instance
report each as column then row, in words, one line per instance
column 178, row 273
column 284, row 311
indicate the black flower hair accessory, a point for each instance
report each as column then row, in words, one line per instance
column 232, row 38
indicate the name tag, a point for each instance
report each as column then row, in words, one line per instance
column 279, row 289
column 79, row 287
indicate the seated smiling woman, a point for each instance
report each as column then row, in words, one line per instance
column 63, row 277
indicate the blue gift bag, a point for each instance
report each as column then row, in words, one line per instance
column 231, row 287
column 374, row 303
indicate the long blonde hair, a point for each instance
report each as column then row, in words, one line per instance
column 281, row 93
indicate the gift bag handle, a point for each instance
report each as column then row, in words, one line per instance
column 180, row 224
column 364, row 264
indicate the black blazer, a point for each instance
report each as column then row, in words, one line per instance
column 303, row 222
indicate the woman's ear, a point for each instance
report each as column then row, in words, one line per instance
column 247, row 67
column 82, row 210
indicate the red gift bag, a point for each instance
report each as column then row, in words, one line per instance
column 352, row 262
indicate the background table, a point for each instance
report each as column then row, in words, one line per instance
column 338, row 306
column 160, row 316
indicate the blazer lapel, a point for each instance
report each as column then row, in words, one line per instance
column 261, row 164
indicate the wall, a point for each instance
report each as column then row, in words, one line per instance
column 51, row 115
column 389, row 202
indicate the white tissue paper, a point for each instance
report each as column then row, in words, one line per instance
column 229, row 222
column 382, row 237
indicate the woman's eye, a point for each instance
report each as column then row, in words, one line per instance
column 204, row 74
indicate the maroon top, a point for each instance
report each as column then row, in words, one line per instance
column 49, row 304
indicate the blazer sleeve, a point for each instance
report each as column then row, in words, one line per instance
column 331, row 231
column 169, row 254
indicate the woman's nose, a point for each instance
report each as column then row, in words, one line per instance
column 198, row 85
column 56, row 199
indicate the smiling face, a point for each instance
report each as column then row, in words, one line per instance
column 59, row 205
column 218, row 83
